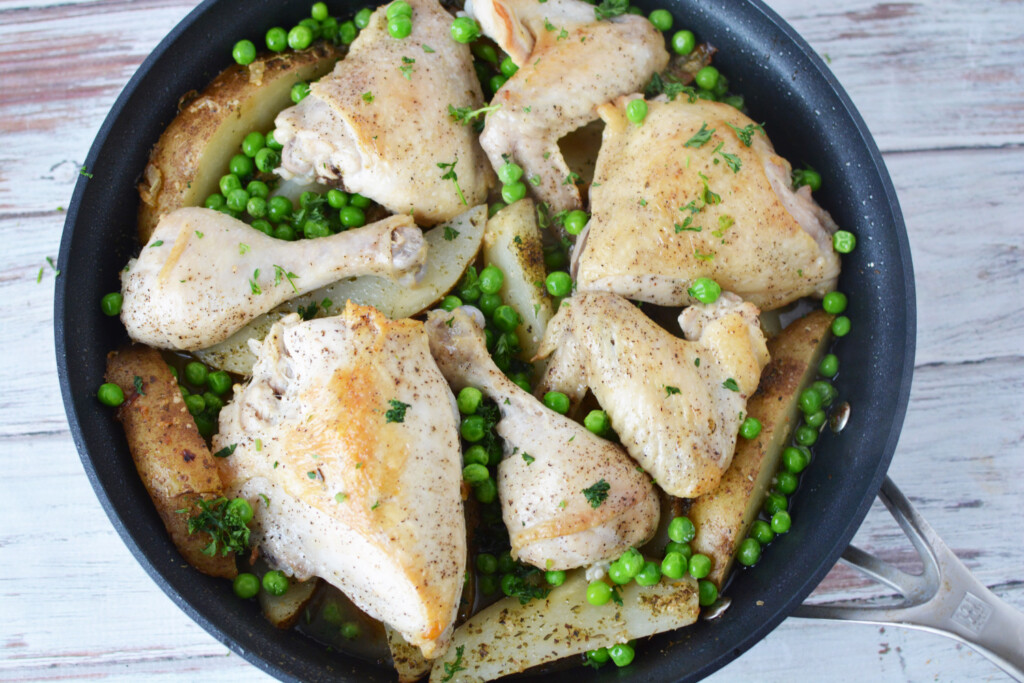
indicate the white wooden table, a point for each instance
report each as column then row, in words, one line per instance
column 941, row 85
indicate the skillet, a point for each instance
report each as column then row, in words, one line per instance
column 809, row 118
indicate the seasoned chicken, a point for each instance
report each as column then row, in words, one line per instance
column 569, row 62
column 203, row 274
column 676, row 405
column 346, row 445
column 683, row 196
column 379, row 123
column 568, row 498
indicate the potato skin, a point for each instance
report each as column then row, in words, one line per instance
column 171, row 457
column 188, row 160
column 723, row 516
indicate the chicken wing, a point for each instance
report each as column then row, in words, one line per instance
column 346, row 445
column 676, row 405
column 569, row 62
column 379, row 123
column 698, row 191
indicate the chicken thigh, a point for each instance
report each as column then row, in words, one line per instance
column 568, row 498
column 676, row 405
column 569, row 62
column 346, row 445
column 698, row 191
column 203, row 274
column 379, row 123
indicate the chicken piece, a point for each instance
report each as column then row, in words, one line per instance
column 204, row 275
column 569, row 62
column 568, row 498
column 676, row 405
column 668, row 208
column 379, row 123
column 347, row 446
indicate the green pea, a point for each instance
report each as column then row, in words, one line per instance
column 705, row 290
column 352, row 217
column 205, row 425
column 213, row 402
column 806, row 435
column 700, row 566
column 279, row 208
column 315, row 228
column 809, row 400
column 781, row 522
column 633, row 9
column 649, row 575
column 486, row 563
column 488, row 584
column 362, row 18
column 319, row 11
column 185, row 393
column 786, row 482
column 599, row 593
column 703, row 94
column 486, row 491
column 554, row 257
column 749, row 552
column 244, row 52
column 510, row 173
column 299, row 91
column 632, row 561
column 285, row 232
column 399, row 8
column 683, row 42
column 246, row 585
column 110, row 394
column 469, row 400
column 707, row 78
column 618, row 573
column 228, row 183
column 256, row 207
column 707, row 593
column 258, row 188
column 400, row 27
column 196, row 373
column 554, row 577
column 465, row 30
column 775, row 502
column 252, row 143
column 807, row 176
column 722, row 86
column 263, row 226
column 662, row 19
column 111, row 303
column 506, row 319
column 674, row 565
column 681, row 530
column 636, row 111
column 359, row 201
column 349, row 630
column 513, row 192
column 834, row 303
column 735, row 101
column 195, row 404
column 300, row 37
column 622, row 654
column 241, row 166
column 489, row 303
column 219, row 382
column 597, row 422
column 683, row 549
column 215, row 202
column 505, row 562
column 829, row 366
column 275, row 583
column 508, row 67
column 598, row 656
column 491, row 279
column 450, row 302
column 495, row 208
column 468, row 289
column 827, row 392
column 348, row 32
column 495, row 82
column 277, row 39
column 485, row 51
column 267, row 160
column 337, row 198
column 750, row 428
column 762, row 531
column 844, row 242
column 558, row 283
column 557, row 401
column 815, row 420
column 795, row 460
column 237, row 200
column 476, row 454
column 473, row 428
column 475, row 474
column 841, row 326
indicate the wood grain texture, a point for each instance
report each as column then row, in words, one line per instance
column 940, row 84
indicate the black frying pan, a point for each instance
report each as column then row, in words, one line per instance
column 810, row 120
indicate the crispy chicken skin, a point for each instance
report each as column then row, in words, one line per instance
column 665, row 212
column 675, row 403
column 349, row 431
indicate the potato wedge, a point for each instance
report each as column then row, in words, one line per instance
column 193, row 153
column 512, row 242
column 409, row 661
column 447, row 259
column 283, row 611
column 508, row 637
column 723, row 516
column 173, row 461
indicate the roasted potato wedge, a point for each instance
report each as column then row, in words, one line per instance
column 448, row 255
column 188, row 160
column 409, row 661
column 512, row 242
column 723, row 516
column 283, row 611
column 172, row 459
column 492, row 643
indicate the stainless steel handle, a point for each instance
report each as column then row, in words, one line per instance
column 945, row 598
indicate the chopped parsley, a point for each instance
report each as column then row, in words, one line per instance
column 611, row 8
column 700, row 137
column 724, row 223
column 428, row 49
column 468, row 115
column 452, row 176
column 243, row 248
column 226, row 451
column 259, row 445
column 706, row 195
column 563, row 34
column 376, row 504
column 255, row 288
column 746, row 133
column 669, row 391
column 731, row 385
column 309, row 312
column 84, row 171
column 397, row 411
column 571, row 179
column 280, row 272
column 535, row 180
column 451, row 669
column 450, row 233
column 528, row 458
column 548, row 26
column 597, row 493
column 703, row 257
column 199, row 234
column 311, row 474
column 367, row 97
column 731, row 160
column 217, row 518
column 340, row 497
column 138, row 385
column 158, row 243
column 670, row 86
column 406, row 69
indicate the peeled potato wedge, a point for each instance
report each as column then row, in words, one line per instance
column 283, row 611
column 723, row 516
column 188, row 160
column 509, row 637
column 512, row 242
column 450, row 250
column 171, row 457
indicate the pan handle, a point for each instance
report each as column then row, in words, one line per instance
column 945, row 598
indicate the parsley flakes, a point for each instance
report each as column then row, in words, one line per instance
column 731, row 384
column 670, row 391
column 397, row 411
column 597, row 493
column 700, row 137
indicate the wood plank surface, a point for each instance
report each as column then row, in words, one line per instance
column 940, row 84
